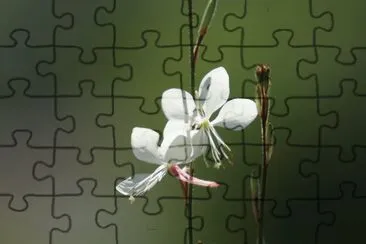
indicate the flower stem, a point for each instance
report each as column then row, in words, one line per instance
column 193, row 70
column 263, row 175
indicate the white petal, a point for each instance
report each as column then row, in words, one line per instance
column 144, row 144
column 214, row 90
column 176, row 147
column 172, row 103
column 236, row 114
column 172, row 147
column 141, row 183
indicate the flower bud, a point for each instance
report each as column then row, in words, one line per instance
column 262, row 72
column 207, row 16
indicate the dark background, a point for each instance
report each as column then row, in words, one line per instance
column 77, row 76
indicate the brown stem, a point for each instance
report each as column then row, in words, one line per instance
column 192, row 66
column 198, row 43
column 264, row 118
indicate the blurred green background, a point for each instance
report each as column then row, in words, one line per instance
column 80, row 75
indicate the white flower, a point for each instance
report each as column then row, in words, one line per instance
column 213, row 94
column 169, row 156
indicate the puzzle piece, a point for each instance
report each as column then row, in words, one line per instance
column 343, row 34
column 284, row 168
column 301, row 226
column 245, row 222
column 40, row 29
column 169, row 31
column 300, row 109
column 350, row 213
column 148, row 80
column 103, row 72
column 346, row 104
column 84, row 33
column 289, row 56
column 133, row 225
column 277, row 16
column 218, row 36
column 217, row 221
column 168, row 188
column 330, row 172
column 87, row 134
column 37, row 224
column 65, row 171
column 30, row 113
column 18, row 158
column 328, row 82
column 17, row 62
column 233, row 176
column 126, row 115
column 177, row 68
column 84, row 228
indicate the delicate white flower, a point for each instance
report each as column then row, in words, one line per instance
column 213, row 94
column 169, row 156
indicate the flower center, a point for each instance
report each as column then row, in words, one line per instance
column 219, row 148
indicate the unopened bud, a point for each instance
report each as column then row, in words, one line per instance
column 262, row 72
column 207, row 16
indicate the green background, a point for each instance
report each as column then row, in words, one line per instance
column 79, row 76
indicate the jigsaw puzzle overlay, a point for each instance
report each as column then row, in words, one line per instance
column 77, row 76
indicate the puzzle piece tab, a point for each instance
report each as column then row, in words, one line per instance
column 344, row 33
column 87, row 134
column 70, row 71
column 129, row 27
column 37, row 224
column 66, row 171
column 35, row 114
column 84, row 33
column 261, row 18
column 41, row 28
column 83, row 208
column 350, row 130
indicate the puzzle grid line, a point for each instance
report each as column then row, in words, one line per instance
column 73, row 86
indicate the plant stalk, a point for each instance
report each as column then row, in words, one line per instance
column 263, row 175
column 192, row 68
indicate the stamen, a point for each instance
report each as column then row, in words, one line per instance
column 221, row 142
column 215, row 152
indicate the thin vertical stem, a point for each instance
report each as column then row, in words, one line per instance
column 192, row 68
column 264, row 118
